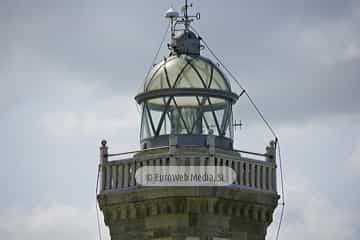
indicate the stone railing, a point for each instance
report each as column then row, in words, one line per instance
column 251, row 174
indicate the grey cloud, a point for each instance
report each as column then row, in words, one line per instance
column 270, row 57
column 69, row 71
column 55, row 221
column 106, row 42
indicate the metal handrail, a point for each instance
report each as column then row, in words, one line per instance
column 166, row 147
column 136, row 151
column 253, row 153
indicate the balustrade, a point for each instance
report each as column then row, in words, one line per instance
column 119, row 175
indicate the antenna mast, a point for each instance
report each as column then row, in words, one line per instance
column 183, row 40
column 187, row 22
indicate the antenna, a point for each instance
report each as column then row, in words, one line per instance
column 186, row 16
column 185, row 20
column 183, row 40
column 237, row 124
column 172, row 15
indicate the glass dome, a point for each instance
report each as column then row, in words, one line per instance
column 185, row 71
column 190, row 96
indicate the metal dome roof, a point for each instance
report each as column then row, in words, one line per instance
column 186, row 95
column 186, row 71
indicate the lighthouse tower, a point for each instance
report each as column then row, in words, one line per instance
column 187, row 121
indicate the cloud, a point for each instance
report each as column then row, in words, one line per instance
column 105, row 120
column 319, row 171
column 309, row 214
column 352, row 52
column 354, row 166
column 283, row 50
column 69, row 71
column 328, row 43
column 54, row 221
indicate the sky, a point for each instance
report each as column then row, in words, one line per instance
column 69, row 71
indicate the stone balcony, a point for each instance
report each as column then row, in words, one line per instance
column 252, row 174
column 242, row 210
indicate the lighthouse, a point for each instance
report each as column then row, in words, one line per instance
column 187, row 181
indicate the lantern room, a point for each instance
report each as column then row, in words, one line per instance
column 186, row 94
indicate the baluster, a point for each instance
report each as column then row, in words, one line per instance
column 261, row 177
column 252, row 175
column 264, row 177
column 191, row 161
column 103, row 163
column 147, row 172
column 120, row 176
column 268, row 178
column 222, row 164
column 256, row 183
column 113, row 176
column 215, row 162
column 159, row 165
column 197, row 164
column 211, row 161
column 243, row 173
column 238, row 172
column 202, row 167
column 168, row 164
column 132, row 173
column 274, row 179
column 108, row 177
column 258, row 169
column 248, row 180
column 141, row 177
column 225, row 169
column 249, row 173
column 137, row 166
column 129, row 173
column 157, row 162
column 103, row 177
column 153, row 164
column 126, row 175
column 246, row 174
column 230, row 171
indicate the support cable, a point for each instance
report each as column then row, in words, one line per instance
column 154, row 60
column 157, row 51
column 239, row 84
column 96, row 204
column 137, row 108
column 282, row 191
column 277, row 143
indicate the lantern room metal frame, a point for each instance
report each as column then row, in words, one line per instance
column 187, row 101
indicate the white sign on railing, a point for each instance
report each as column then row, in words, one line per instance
column 185, row 176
